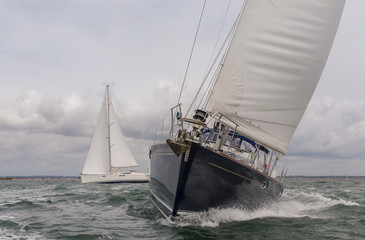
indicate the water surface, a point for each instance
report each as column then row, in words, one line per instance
column 67, row 209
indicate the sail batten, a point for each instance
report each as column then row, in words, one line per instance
column 273, row 65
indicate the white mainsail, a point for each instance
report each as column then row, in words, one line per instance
column 98, row 160
column 273, row 65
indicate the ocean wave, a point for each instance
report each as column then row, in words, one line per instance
column 33, row 210
column 116, row 200
column 317, row 200
column 19, row 234
column 10, row 229
column 293, row 204
column 22, row 204
column 8, row 224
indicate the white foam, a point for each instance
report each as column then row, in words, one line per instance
column 293, row 204
column 6, row 217
column 19, row 234
column 316, row 200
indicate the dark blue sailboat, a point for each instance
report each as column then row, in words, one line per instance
column 227, row 152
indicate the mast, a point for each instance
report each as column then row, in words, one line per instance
column 108, row 123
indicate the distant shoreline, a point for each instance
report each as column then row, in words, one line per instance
column 326, row 177
column 40, row 178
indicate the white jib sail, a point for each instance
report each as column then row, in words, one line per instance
column 273, row 65
column 97, row 161
column 121, row 156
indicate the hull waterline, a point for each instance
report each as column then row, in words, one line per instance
column 130, row 177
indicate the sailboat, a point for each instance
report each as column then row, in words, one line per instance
column 109, row 153
column 226, row 154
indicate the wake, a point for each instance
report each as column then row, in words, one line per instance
column 293, row 204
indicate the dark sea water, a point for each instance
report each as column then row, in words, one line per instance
column 67, row 209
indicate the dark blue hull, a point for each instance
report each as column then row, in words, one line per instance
column 201, row 178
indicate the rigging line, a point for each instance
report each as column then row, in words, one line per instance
column 229, row 35
column 234, row 29
column 210, row 86
column 219, row 35
column 191, row 53
column 117, row 104
column 208, row 70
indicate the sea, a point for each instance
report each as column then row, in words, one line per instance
column 310, row 208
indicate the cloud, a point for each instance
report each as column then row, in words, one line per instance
column 31, row 112
column 51, row 108
column 48, row 129
column 45, row 134
column 26, row 154
column 63, row 51
column 165, row 91
column 21, row 113
column 330, row 138
column 50, row 134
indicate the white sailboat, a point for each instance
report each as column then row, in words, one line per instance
column 109, row 153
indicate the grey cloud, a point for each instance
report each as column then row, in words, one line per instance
column 72, row 116
column 331, row 129
column 73, row 46
column 51, row 108
column 41, row 154
column 51, row 130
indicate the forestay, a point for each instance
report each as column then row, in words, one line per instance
column 272, row 66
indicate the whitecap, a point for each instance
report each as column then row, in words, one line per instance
column 19, row 234
column 293, row 204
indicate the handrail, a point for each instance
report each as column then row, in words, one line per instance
column 178, row 115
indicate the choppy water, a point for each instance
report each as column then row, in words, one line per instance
column 67, row 209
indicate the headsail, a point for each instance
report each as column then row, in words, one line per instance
column 273, row 65
column 121, row 156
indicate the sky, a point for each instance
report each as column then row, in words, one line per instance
column 57, row 56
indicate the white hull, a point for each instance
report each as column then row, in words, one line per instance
column 131, row 177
